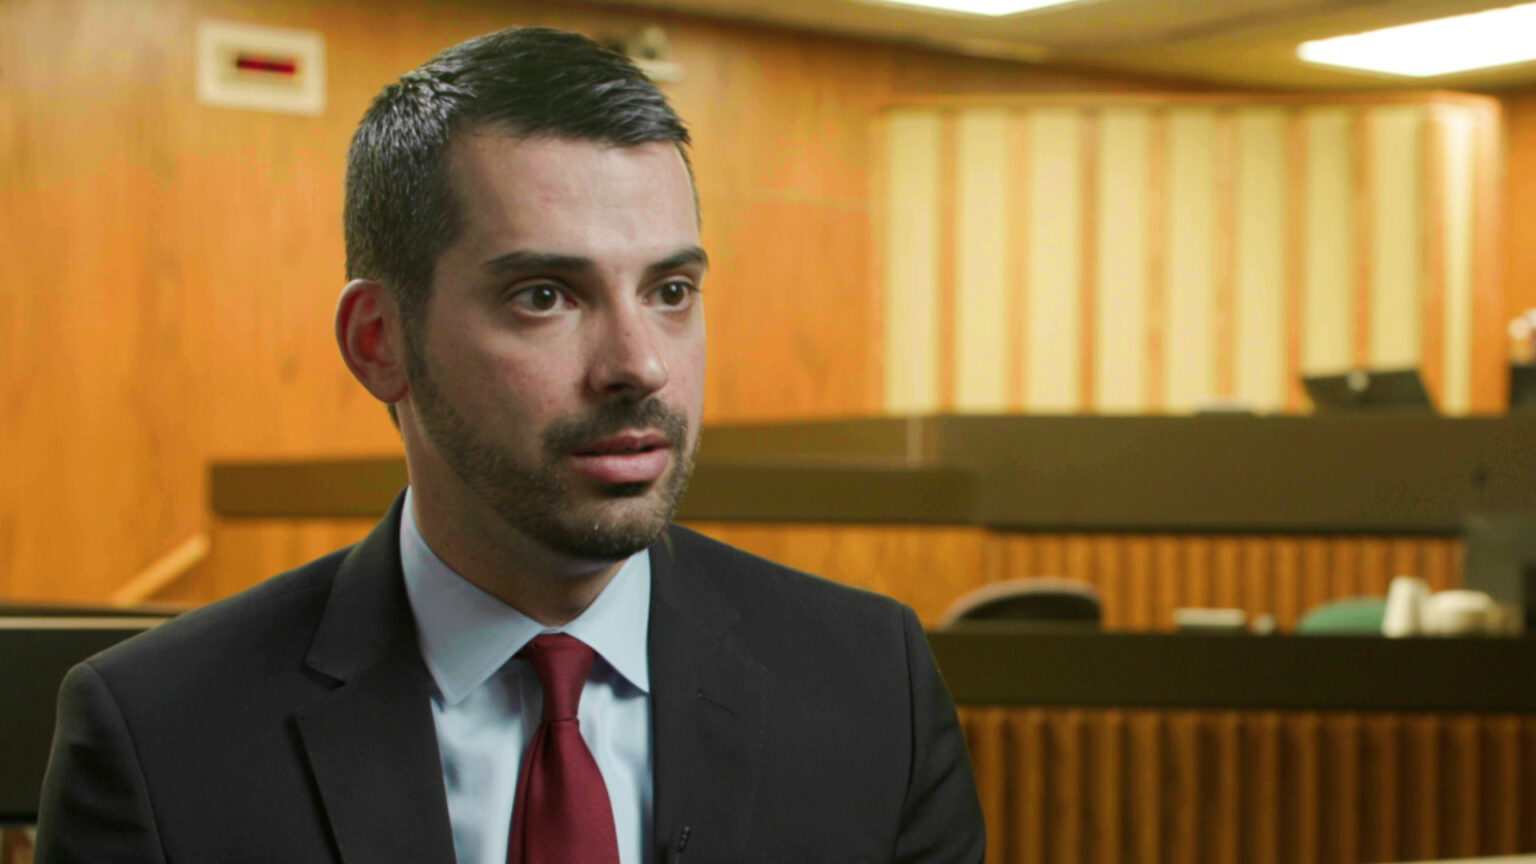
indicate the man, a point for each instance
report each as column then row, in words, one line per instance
column 524, row 662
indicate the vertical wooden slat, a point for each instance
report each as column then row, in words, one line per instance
column 1501, row 785
column 1489, row 383
column 1287, row 582
column 1068, row 759
column 1157, row 258
column 1228, row 771
column 1375, row 566
column 1341, row 792
column 1147, row 772
column 1345, row 568
column 1182, row 780
column 1302, row 797
column 1463, row 802
column 1432, row 261
column 1227, row 590
column 1424, row 789
column 1316, row 573
column 1018, row 256
column 986, row 739
column 1197, row 570
column 1088, row 273
column 1077, row 551
column 981, row 272
column 1265, row 798
column 1259, row 577
column 1295, row 255
column 1112, row 576
column 949, row 154
column 1139, row 598
column 1029, row 843
column 1404, row 558
column 1363, row 200
column 880, row 202
column 1169, row 579
column 1109, row 789
column 1225, row 241
column 1527, row 759
column 1382, row 792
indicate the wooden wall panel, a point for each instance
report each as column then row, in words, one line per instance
column 1063, row 785
column 1231, row 245
column 1121, row 315
column 1190, row 361
column 1142, row 577
column 170, row 269
column 1519, row 200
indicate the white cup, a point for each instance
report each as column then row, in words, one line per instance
column 1404, row 614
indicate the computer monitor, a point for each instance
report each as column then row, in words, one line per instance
column 1382, row 390
column 1501, row 559
column 35, row 652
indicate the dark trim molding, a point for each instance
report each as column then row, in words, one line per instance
column 1332, row 473
column 996, row 665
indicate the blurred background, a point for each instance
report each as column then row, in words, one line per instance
column 991, row 299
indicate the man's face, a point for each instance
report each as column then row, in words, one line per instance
column 560, row 376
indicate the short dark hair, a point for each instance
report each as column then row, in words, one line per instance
column 532, row 82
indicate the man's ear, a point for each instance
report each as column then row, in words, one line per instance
column 372, row 340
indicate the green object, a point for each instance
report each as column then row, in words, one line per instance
column 1352, row 615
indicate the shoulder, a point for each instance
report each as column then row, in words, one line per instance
column 782, row 601
column 272, row 622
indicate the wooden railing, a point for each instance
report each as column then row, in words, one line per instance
column 1119, row 786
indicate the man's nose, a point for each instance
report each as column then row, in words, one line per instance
column 627, row 361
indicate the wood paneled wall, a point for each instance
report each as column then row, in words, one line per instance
column 1142, row 578
column 1113, row 786
column 168, row 270
column 1519, row 202
column 1130, row 254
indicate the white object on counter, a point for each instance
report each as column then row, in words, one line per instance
column 1404, row 615
column 1459, row 613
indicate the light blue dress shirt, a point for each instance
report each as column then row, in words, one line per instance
column 487, row 702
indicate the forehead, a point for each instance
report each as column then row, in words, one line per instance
column 570, row 196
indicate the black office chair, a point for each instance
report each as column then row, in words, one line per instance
column 1038, row 599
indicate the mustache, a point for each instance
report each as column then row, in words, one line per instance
column 571, row 433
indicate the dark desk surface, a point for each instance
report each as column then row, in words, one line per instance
column 1004, row 665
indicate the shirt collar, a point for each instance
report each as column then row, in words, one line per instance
column 467, row 634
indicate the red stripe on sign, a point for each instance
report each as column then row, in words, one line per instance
column 267, row 64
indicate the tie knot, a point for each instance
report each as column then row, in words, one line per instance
column 562, row 663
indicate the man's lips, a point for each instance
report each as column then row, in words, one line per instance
column 629, row 457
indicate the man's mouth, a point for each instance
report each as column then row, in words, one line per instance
column 628, row 457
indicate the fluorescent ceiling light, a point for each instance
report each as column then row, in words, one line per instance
column 982, row 7
column 1498, row 37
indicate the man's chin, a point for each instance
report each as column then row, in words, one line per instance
column 608, row 530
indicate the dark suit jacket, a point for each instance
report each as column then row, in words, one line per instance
column 795, row 720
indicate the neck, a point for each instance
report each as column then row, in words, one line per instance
column 480, row 547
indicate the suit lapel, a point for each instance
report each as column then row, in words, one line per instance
column 371, row 742
column 708, row 714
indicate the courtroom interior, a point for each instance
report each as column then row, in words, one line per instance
column 1184, row 387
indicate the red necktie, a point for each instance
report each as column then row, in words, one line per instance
column 561, row 814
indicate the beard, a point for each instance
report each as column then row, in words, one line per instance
column 537, row 501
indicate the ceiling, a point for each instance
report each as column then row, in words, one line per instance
column 1247, row 43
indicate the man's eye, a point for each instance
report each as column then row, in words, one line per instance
column 539, row 299
column 675, row 294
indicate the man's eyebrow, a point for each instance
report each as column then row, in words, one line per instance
column 523, row 260
column 680, row 259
